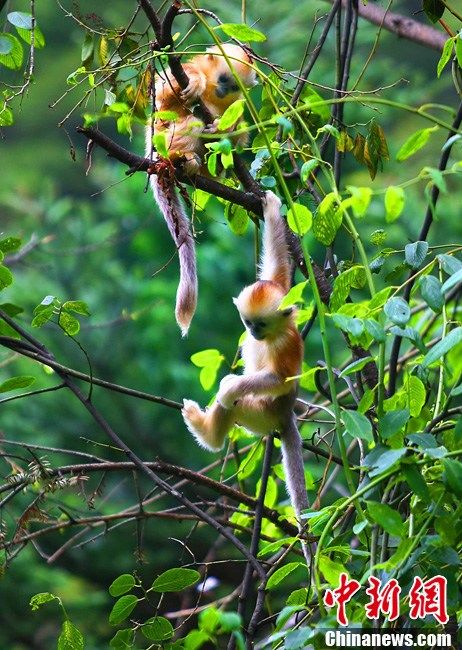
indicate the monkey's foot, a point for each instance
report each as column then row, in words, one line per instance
column 192, row 163
column 195, row 419
column 212, row 128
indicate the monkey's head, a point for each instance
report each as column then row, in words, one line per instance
column 258, row 306
column 226, row 87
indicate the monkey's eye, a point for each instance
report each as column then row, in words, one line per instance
column 223, row 78
column 260, row 323
column 247, row 322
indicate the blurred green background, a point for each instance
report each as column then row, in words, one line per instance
column 102, row 241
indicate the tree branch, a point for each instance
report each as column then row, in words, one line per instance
column 400, row 25
column 136, row 163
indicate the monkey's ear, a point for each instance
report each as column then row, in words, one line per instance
column 287, row 311
column 211, row 56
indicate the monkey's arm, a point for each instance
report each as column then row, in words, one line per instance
column 234, row 387
column 275, row 260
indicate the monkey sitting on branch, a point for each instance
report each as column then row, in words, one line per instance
column 262, row 398
column 213, row 79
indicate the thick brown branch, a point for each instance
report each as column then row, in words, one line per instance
column 401, row 25
column 136, row 163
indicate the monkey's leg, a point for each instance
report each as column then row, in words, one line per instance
column 208, row 427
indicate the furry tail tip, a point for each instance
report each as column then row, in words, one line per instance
column 186, row 299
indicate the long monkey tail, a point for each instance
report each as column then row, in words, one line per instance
column 180, row 229
column 294, row 470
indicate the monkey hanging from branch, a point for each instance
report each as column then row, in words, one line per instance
column 262, row 398
column 212, row 80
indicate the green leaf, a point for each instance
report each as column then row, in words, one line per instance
column 209, row 619
column 355, row 366
column 159, row 141
column 451, row 282
column 453, row 475
column 308, row 168
column 231, row 115
column 430, row 288
column 16, row 382
column 387, row 518
column 298, row 597
column 166, row 116
column 354, row 277
column 40, row 599
column 394, row 202
column 122, row 639
column 353, row 326
column 327, row 220
column 397, row 310
column 122, row 584
column 360, row 199
column 78, row 306
column 459, row 50
column 294, row 295
column 415, row 253
column 392, row 422
column 434, row 9
column 26, row 35
column 449, row 263
column 242, row 32
column 442, row 347
column 280, row 574
column 331, row 570
column 10, row 244
column 71, row 638
column 69, row 324
column 416, row 393
column 43, row 316
column 415, row 142
column 122, row 609
column 375, row 330
column 6, row 116
column 88, row 48
column 357, row 425
column 6, row 277
column 206, row 357
column 157, row 629
column 195, row 640
column 386, row 460
column 175, row 580
column 375, row 148
column 238, row 218
column 416, row 481
column 20, row 19
column 445, row 55
column 229, row 621
column 299, row 219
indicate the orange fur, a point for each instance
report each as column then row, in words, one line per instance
column 262, row 398
column 272, row 352
column 183, row 141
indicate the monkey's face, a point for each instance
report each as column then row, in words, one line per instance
column 226, row 85
column 258, row 306
column 267, row 326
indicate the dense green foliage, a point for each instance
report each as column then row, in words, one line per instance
column 90, row 272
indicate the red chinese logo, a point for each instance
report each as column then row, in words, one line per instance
column 340, row 596
column 383, row 600
column 429, row 598
column 426, row 598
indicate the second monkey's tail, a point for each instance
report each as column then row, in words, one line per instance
column 180, row 229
